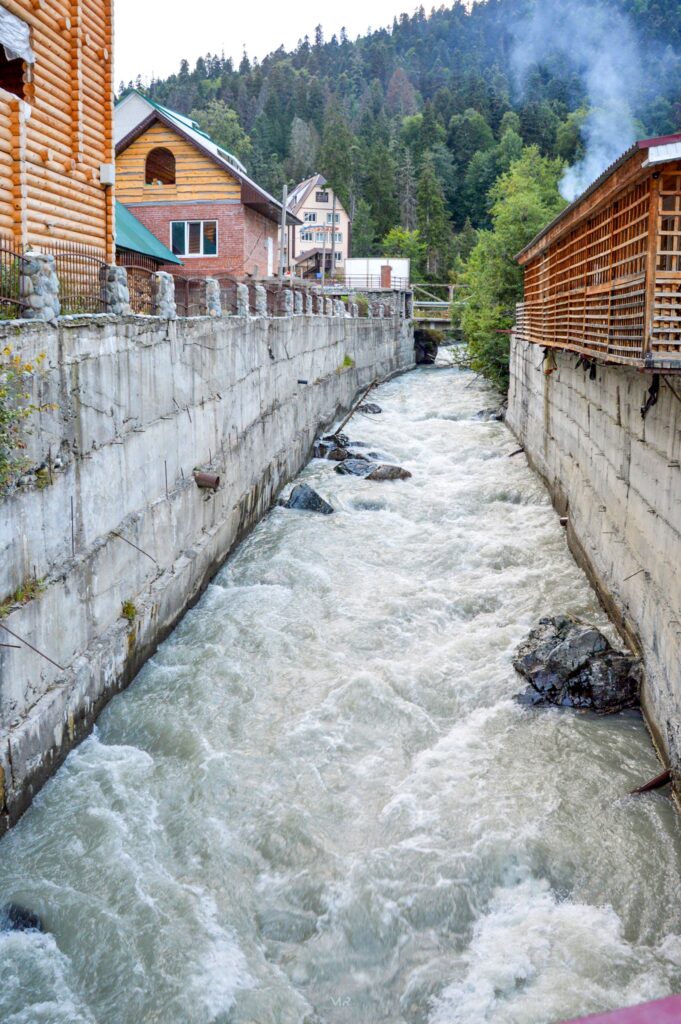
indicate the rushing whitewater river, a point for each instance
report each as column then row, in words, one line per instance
column 319, row 802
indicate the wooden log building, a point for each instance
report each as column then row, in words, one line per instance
column 604, row 278
column 56, row 124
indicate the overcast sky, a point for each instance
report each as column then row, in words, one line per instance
column 152, row 36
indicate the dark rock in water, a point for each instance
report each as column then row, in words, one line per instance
column 572, row 665
column 323, row 447
column 425, row 348
column 303, row 498
column 370, row 408
column 337, row 455
column 497, row 414
column 14, row 918
column 355, row 467
column 385, row 472
column 340, row 440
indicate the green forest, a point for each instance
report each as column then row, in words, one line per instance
column 436, row 148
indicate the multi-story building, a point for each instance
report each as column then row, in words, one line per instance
column 56, row 124
column 323, row 237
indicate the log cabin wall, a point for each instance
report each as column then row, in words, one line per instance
column 54, row 140
column 604, row 281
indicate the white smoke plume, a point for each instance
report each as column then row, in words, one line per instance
column 602, row 47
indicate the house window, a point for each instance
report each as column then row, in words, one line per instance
column 339, row 236
column 311, row 218
column 338, row 256
column 305, row 236
column 160, row 167
column 16, row 56
column 322, row 197
column 332, row 218
column 194, row 237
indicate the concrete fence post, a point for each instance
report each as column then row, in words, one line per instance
column 288, row 302
column 309, row 303
column 213, row 297
column 354, row 310
column 298, row 302
column 163, row 295
column 39, row 287
column 260, row 300
column 242, row 300
column 115, row 290
column 328, row 307
column 380, row 311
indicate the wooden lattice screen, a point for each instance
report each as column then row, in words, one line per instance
column 587, row 292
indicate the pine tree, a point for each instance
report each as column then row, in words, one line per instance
column 363, row 231
column 432, row 220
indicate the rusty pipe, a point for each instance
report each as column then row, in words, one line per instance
column 207, row 481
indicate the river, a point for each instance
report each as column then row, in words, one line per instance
column 319, row 801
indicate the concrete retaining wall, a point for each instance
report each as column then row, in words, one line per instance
column 116, row 515
column 618, row 478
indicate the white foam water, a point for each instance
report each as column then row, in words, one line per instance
column 319, row 802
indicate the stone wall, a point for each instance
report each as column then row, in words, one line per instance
column 617, row 477
column 111, row 520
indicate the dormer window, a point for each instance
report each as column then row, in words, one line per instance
column 160, row 167
column 16, row 56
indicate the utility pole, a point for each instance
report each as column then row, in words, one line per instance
column 282, row 246
column 333, row 235
column 323, row 256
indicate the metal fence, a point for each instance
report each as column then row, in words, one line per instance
column 190, row 296
column 80, row 269
column 12, row 303
column 139, row 287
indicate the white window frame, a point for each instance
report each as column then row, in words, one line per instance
column 200, row 255
column 330, row 218
column 310, row 217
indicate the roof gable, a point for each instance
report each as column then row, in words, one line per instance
column 252, row 194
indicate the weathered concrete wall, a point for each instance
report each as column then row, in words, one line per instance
column 618, row 478
column 138, row 405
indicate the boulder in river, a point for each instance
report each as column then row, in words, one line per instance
column 386, row 472
column 571, row 664
column 370, row 408
column 304, row 498
column 355, row 467
column 14, row 918
column 498, row 414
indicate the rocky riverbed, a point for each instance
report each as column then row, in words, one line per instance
column 321, row 802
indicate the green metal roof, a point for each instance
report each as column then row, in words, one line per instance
column 132, row 235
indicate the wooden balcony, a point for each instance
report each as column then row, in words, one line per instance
column 604, row 280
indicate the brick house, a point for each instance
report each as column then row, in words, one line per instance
column 194, row 196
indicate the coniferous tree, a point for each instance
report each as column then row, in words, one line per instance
column 363, row 231
column 432, row 221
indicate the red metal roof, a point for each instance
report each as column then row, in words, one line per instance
column 663, row 1011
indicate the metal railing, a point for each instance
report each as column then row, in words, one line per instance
column 12, row 303
column 371, row 283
